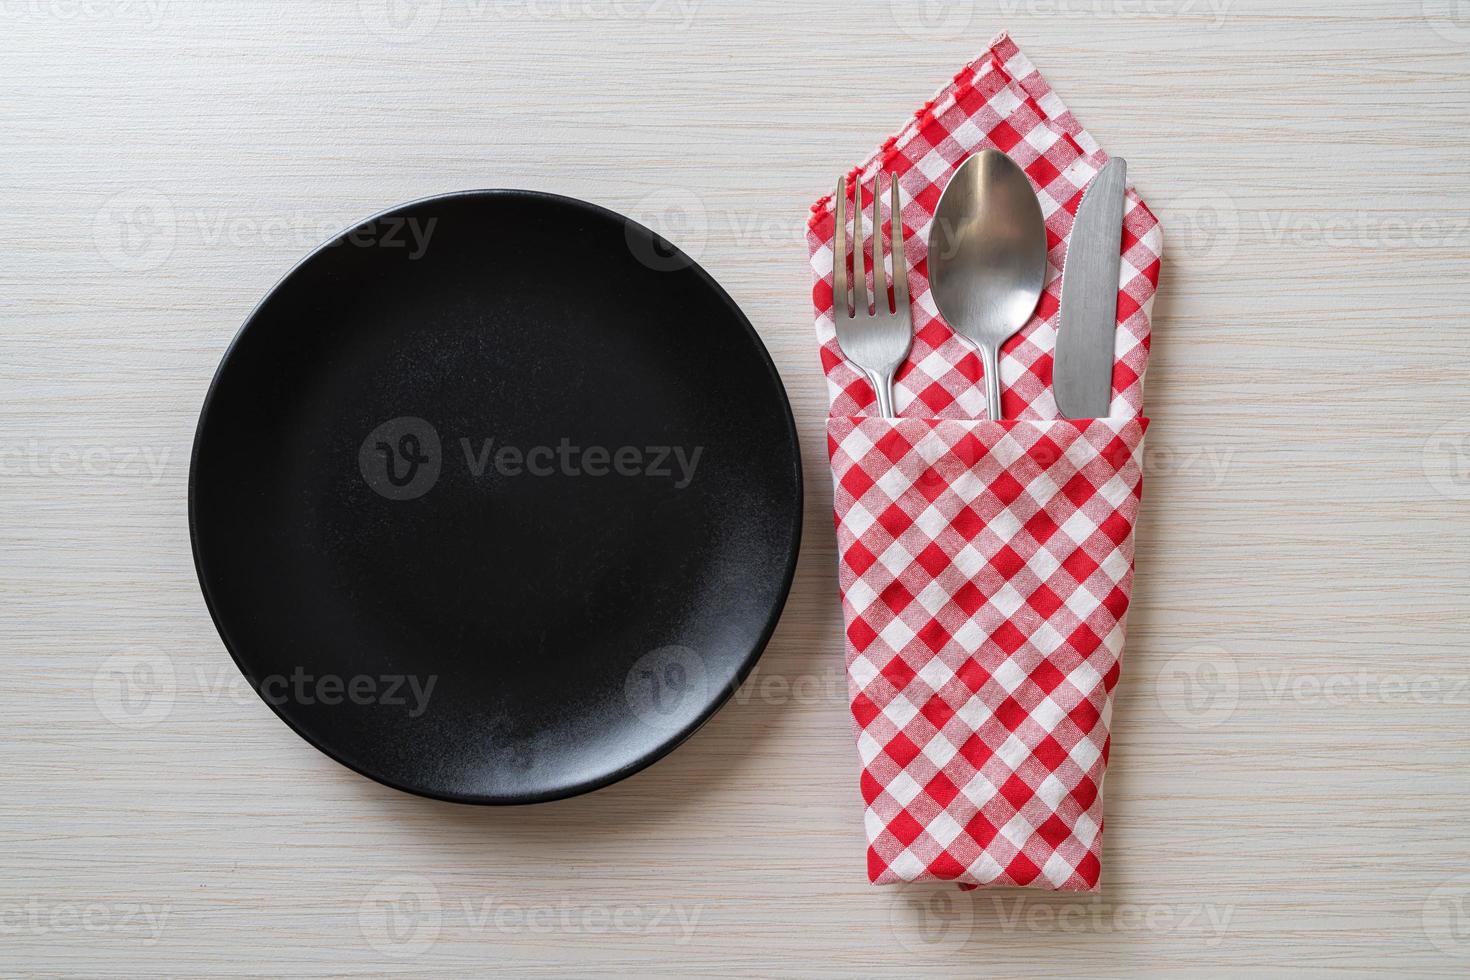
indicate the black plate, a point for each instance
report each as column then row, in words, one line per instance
column 501, row 621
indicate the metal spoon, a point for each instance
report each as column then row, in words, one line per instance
column 987, row 257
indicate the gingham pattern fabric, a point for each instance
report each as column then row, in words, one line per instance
column 985, row 566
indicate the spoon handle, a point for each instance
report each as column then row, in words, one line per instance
column 990, row 363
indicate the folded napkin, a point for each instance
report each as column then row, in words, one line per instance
column 985, row 566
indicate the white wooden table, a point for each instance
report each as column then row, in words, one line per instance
column 1290, row 786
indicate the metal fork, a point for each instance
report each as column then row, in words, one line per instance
column 878, row 339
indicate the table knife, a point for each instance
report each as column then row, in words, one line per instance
column 1083, row 374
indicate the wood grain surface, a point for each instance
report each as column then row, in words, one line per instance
column 1290, row 779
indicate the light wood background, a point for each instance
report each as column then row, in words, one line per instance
column 1290, row 787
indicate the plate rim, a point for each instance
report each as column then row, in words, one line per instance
column 726, row 690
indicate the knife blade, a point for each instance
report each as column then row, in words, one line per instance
column 1083, row 373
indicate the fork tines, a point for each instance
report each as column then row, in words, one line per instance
column 875, row 337
column 857, row 299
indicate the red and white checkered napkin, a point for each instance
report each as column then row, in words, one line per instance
column 985, row 566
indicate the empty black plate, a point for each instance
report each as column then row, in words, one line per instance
column 496, row 498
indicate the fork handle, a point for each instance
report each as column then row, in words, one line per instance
column 883, row 387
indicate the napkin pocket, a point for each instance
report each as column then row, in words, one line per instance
column 985, row 569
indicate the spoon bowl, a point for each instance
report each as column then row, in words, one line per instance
column 987, row 258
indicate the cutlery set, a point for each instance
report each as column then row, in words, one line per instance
column 985, row 569
column 987, row 270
